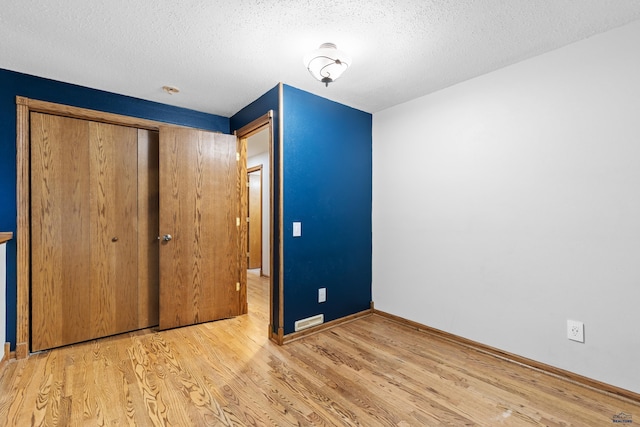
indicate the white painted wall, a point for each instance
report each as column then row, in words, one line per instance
column 507, row 204
column 3, row 298
column 263, row 159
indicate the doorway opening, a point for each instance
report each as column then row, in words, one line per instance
column 255, row 245
column 256, row 146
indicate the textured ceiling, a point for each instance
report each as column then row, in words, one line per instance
column 224, row 54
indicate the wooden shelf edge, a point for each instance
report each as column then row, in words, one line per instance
column 5, row 236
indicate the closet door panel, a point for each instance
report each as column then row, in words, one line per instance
column 84, row 244
column 60, row 246
column 114, row 242
column 199, row 198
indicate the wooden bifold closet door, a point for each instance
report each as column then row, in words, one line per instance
column 131, row 228
column 85, row 231
column 199, row 207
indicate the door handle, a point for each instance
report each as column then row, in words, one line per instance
column 166, row 237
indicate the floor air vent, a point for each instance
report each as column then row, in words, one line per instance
column 309, row 322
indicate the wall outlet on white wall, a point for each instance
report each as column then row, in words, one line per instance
column 575, row 330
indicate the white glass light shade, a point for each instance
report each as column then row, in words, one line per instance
column 327, row 63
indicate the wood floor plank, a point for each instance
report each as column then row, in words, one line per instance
column 368, row 372
column 385, row 393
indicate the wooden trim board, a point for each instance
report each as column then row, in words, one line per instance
column 314, row 330
column 6, row 236
column 7, row 355
column 24, row 228
column 255, row 126
column 258, row 125
column 514, row 358
column 86, row 114
column 280, row 218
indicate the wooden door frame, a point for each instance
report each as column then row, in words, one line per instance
column 251, row 170
column 24, row 106
column 252, row 128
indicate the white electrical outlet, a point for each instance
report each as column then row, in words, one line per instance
column 575, row 330
column 322, row 294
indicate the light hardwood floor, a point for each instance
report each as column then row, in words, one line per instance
column 369, row 372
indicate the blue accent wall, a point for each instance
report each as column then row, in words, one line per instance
column 14, row 84
column 253, row 111
column 327, row 186
column 327, row 166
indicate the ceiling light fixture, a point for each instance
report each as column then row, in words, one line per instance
column 170, row 89
column 327, row 63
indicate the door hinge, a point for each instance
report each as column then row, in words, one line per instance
column 237, row 157
column 248, row 219
column 248, row 254
column 237, row 286
column 237, row 221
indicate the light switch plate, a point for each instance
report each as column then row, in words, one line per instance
column 322, row 294
column 297, row 229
